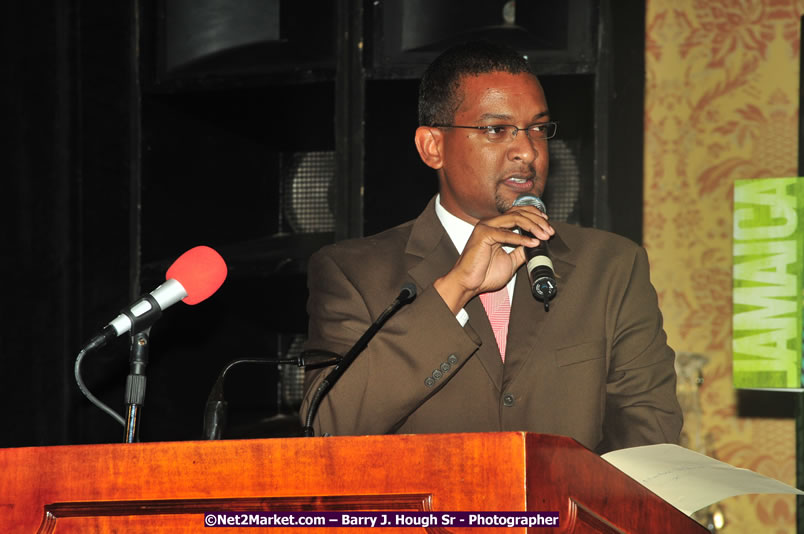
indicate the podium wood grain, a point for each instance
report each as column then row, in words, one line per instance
column 167, row 487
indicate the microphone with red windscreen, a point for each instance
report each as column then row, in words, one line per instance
column 193, row 277
column 201, row 271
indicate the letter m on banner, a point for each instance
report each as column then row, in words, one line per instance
column 767, row 282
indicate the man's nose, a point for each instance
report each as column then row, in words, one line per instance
column 522, row 148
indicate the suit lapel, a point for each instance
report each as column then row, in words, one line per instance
column 429, row 252
column 528, row 318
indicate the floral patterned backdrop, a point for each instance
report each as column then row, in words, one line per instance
column 721, row 103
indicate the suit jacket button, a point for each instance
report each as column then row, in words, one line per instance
column 445, row 367
column 437, row 374
column 452, row 360
column 429, row 382
column 508, row 400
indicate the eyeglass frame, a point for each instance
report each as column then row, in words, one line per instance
column 514, row 132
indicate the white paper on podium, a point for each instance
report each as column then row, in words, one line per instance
column 689, row 480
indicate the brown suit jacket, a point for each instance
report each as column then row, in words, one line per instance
column 596, row 367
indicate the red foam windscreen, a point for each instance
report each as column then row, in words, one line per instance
column 201, row 270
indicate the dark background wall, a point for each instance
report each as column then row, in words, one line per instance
column 67, row 167
column 134, row 131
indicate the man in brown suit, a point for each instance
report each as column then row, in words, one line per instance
column 595, row 367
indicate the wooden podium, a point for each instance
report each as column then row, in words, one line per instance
column 167, row 487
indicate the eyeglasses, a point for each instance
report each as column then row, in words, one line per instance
column 498, row 133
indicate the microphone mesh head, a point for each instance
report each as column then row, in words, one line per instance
column 201, row 271
column 531, row 200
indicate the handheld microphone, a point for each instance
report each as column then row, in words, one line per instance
column 540, row 266
column 192, row 278
column 407, row 294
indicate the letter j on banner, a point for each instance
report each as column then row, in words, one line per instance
column 767, row 282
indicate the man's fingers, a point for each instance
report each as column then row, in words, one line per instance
column 504, row 236
column 530, row 220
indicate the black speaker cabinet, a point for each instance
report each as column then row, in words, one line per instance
column 408, row 35
column 221, row 40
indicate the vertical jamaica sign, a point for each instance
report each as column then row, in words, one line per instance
column 767, row 283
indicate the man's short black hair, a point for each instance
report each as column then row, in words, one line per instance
column 439, row 96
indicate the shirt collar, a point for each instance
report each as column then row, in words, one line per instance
column 457, row 229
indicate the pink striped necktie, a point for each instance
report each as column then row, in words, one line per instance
column 498, row 309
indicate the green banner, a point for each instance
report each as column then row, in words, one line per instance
column 768, row 237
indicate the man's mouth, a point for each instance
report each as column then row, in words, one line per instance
column 520, row 182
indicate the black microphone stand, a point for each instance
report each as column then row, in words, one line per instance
column 135, row 383
column 134, row 397
column 138, row 359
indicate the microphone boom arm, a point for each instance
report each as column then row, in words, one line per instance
column 407, row 294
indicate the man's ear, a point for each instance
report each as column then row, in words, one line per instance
column 430, row 144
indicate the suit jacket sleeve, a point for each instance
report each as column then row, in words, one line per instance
column 641, row 403
column 387, row 381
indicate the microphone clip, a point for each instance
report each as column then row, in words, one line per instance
column 146, row 319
